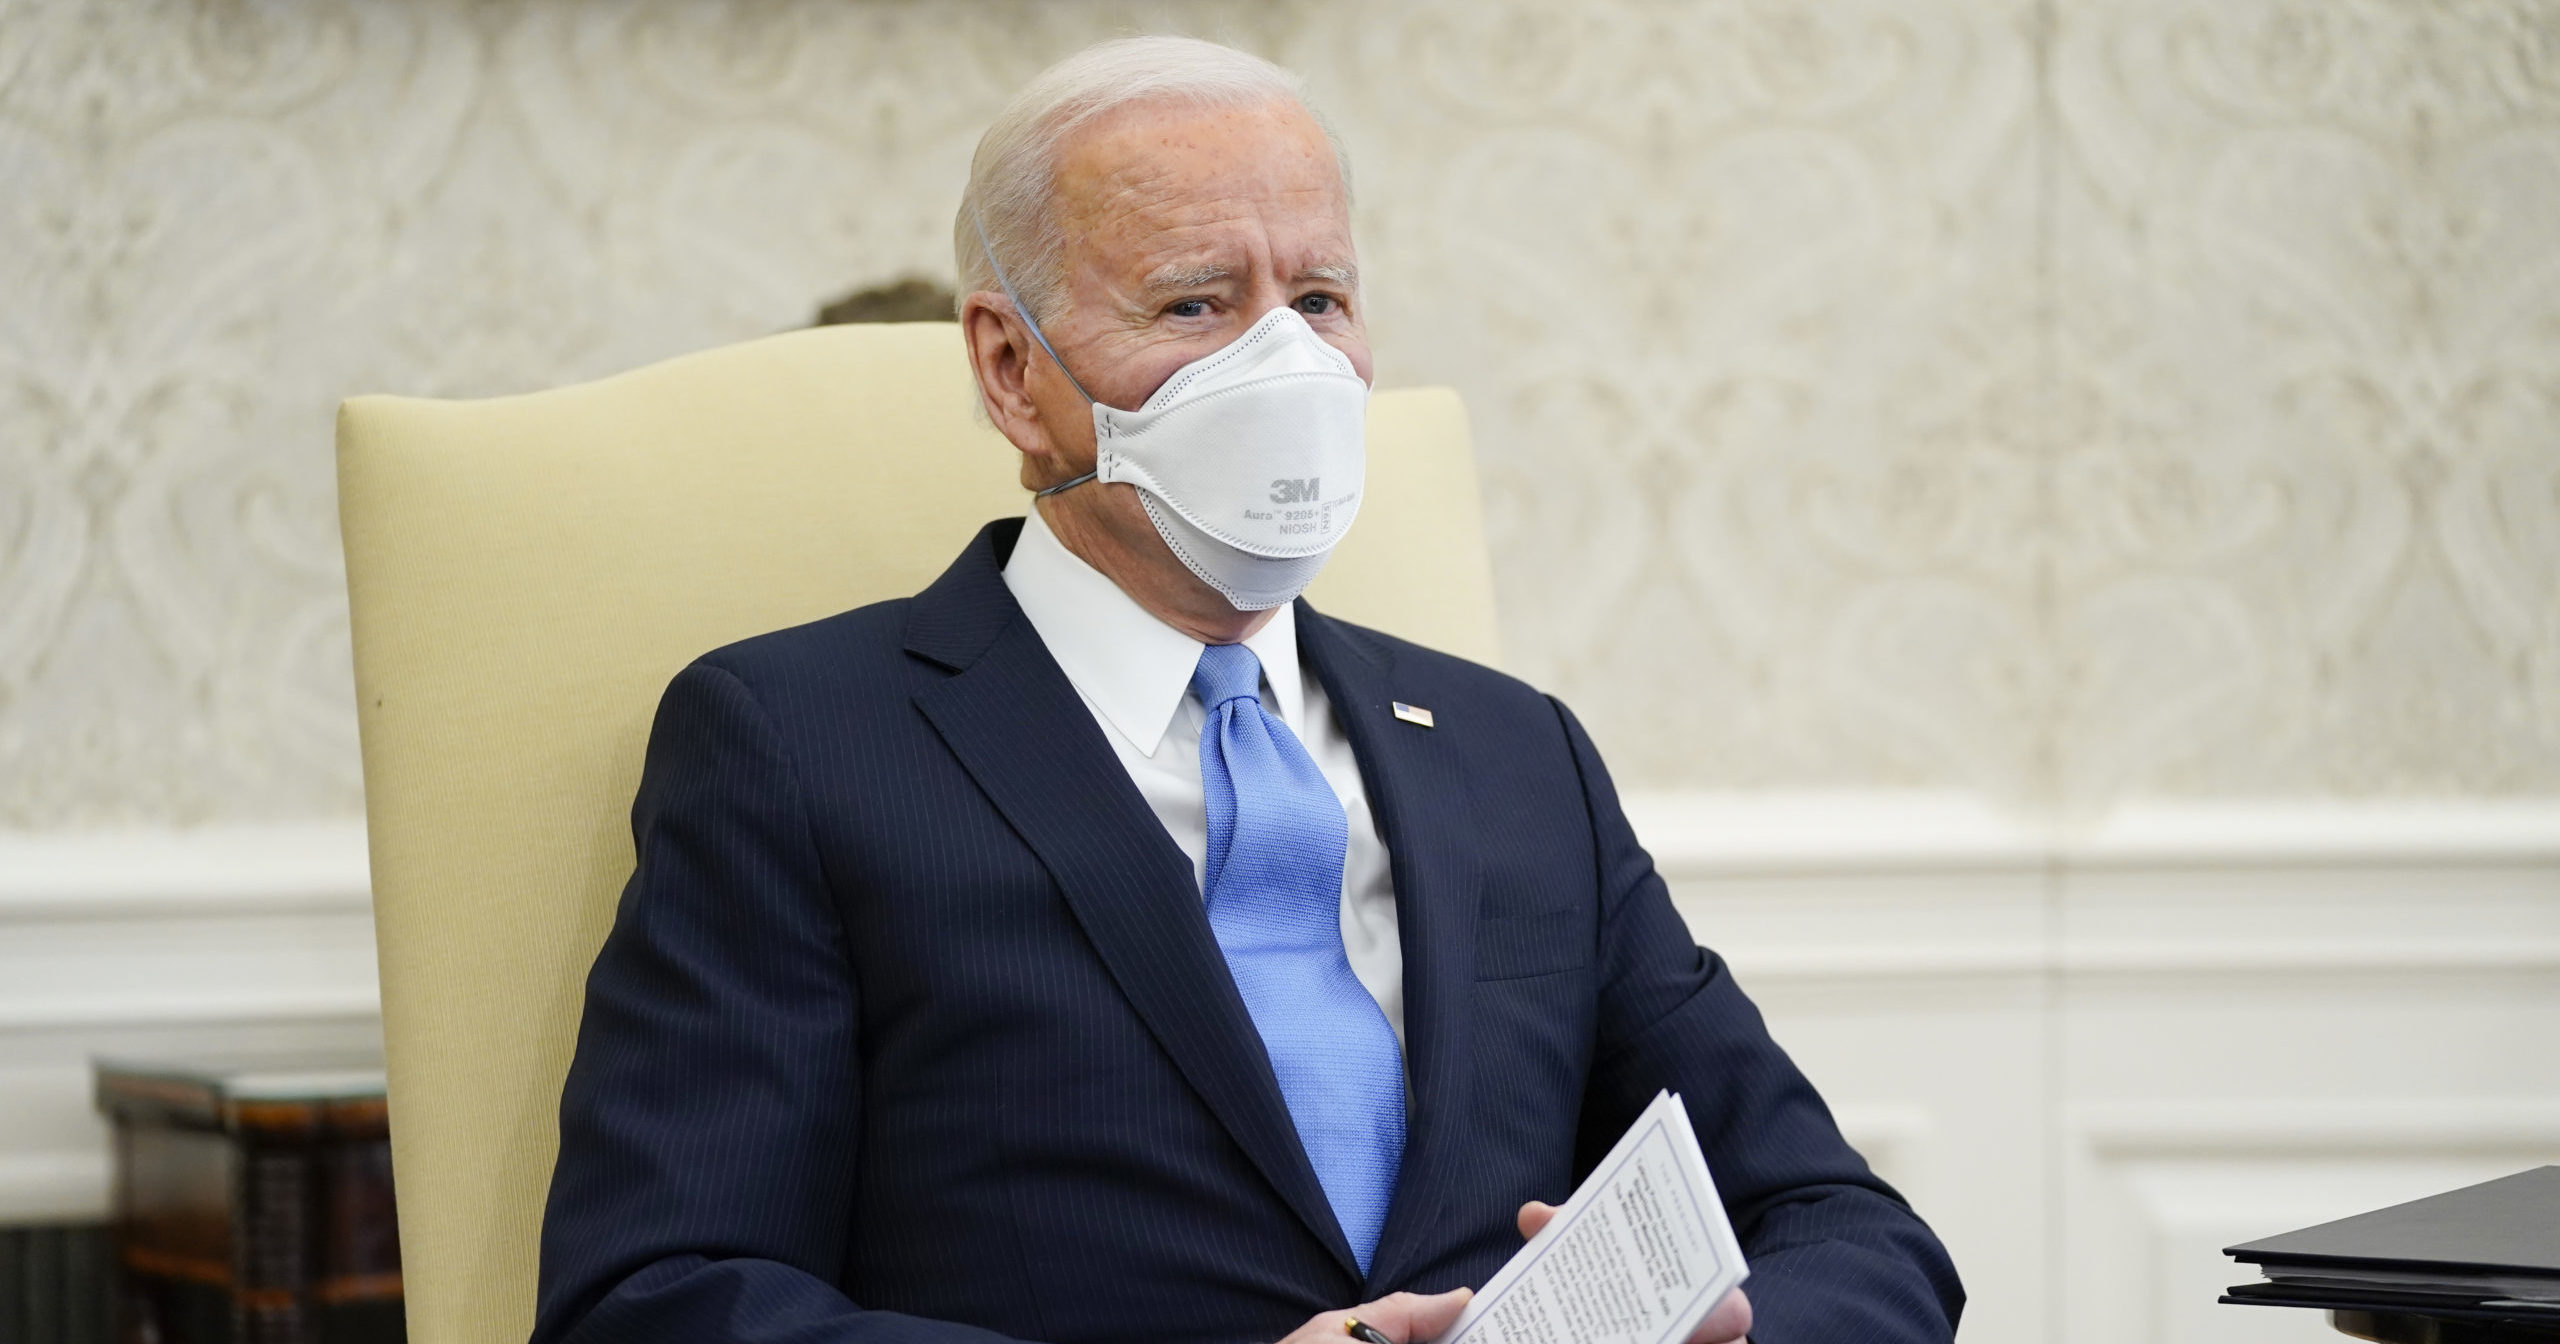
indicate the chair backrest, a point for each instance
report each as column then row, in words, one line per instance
column 525, row 575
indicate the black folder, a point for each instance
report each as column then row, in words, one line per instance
column 2484, row 1252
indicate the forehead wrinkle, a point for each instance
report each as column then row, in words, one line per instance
column 1097, row 178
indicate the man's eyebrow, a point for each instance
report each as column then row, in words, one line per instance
column 1200, row 274
column 1187, row 275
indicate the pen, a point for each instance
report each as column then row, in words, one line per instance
column 1365, row 1332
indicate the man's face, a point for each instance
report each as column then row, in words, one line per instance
column 1184, row 227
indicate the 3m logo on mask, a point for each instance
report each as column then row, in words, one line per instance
column 1294, row 492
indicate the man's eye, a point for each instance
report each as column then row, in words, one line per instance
column 1316, row 305
column 1189, row 308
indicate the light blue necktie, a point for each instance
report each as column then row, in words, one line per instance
column 1277, row 836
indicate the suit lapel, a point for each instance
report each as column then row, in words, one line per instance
column 1417, row 791
column 1017, row 725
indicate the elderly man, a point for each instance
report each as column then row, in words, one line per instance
column 1099, row 946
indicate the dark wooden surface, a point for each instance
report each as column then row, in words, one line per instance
column 54, row 1283
column 2400, row 1328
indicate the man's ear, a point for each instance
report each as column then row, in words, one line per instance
column 1000, row 353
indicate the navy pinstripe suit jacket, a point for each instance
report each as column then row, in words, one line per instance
column 911, row 1026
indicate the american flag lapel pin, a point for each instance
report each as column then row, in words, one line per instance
column 1411, row 713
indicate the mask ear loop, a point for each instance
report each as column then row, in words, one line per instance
column 1023, row 310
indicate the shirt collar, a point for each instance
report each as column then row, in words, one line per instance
column 1132, row 668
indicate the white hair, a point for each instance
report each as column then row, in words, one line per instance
column 1012, row 176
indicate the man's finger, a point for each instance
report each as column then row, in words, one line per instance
column 1727, row 1324
column 1534, row 1215
column 1411, row 1317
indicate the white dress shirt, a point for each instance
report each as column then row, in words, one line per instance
column 1134, row 673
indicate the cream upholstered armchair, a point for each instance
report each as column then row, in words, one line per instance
column 526, row 574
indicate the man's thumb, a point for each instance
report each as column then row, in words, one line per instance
column 1435, row 1313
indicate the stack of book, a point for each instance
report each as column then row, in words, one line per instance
column 253, row 1200
column 2486, row 1253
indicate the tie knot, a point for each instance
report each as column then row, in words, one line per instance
column 1226, row 672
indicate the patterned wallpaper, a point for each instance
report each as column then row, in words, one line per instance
column 2059, row 399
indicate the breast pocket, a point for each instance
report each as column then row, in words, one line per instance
column 1543, row 942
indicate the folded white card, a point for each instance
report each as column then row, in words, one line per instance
column 1639, row 1255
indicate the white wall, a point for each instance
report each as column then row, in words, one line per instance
column 164, row 944
column 2094, row 1059
column 2091, row 1060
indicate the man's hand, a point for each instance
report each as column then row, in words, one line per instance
column 1729, row 1323
column 1406, row 1318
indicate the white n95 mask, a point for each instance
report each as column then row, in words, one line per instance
column 1250, row 461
